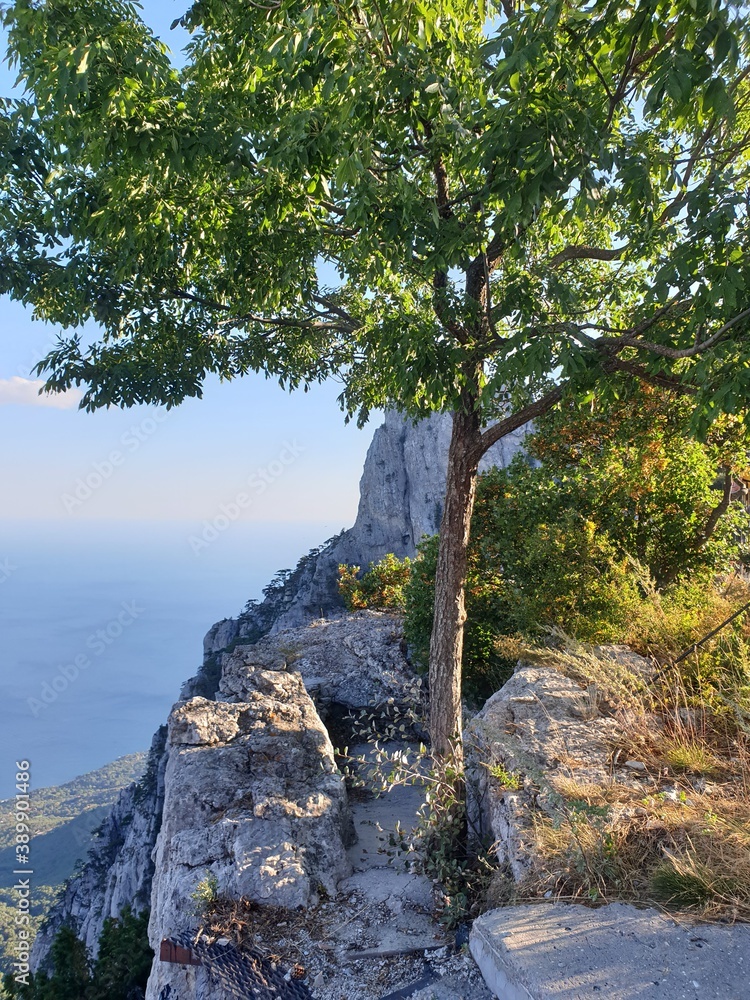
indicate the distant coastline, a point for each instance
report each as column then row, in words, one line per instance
column 86, row 680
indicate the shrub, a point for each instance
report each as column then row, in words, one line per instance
column 380, row 588
column 120, row 972
column 206, row 892
column 124, row 961
column 615, row 535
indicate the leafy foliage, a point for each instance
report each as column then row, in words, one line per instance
column 380, row 588
column 484, row 670
column 618, row 506
column 518, row 200
column 440, row 845
column 581, row 168
column 632, row 468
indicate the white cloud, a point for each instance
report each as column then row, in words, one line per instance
column 25, row 392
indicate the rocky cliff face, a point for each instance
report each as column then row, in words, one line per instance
column 401, row 495
column 401, row 499
column 120, row 868
column 254, row 803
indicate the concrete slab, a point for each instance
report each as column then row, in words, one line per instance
column 456, row 987
column 617, row 952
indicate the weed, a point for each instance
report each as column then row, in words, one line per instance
column 438, row 846
column 506, row 779
column 690, row 756
column 205, row 893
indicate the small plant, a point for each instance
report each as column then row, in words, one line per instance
column 381, row 588
column 291, row 654
column 439, row 845
column 690, row 756
column 677, row 885
column 205, row 893
column 506, row 779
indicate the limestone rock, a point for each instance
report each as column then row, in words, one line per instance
column 401, row 499
column 203, row 723
column 119, row 869
column 355, row 661
column 401, row 491
column 538, row 726
column 254, row 800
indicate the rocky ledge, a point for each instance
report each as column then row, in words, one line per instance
column 255, row 808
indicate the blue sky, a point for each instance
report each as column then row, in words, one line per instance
column 60, row 463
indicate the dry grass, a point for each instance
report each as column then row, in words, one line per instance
column 679, row 837
column 685, row 846
column 665, row 624
column 274, row 930
column 608, row 684
column 691, row 853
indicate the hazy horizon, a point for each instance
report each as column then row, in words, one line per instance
column 102, row 625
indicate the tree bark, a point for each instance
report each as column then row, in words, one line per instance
column 446, row 644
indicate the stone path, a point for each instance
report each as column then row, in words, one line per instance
column 379, row 938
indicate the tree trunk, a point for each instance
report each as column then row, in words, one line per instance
column 446, row 644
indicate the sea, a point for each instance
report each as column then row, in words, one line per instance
column 102, row 621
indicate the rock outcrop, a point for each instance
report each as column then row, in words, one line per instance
column 540, row 730
column 355, row 661
column 401, row 499
column 254, row 803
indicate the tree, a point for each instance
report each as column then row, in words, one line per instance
column 617, row 507
column 664, row 499
column 124, row 960
column 520, row 199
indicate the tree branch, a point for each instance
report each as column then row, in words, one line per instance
column 509, row 424
column 585, row 253
column 310, row 322
column 644, row 375
column 713, row 519
column 675, row 354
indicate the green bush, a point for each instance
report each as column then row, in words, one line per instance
column 380, row 588
column 608, row 537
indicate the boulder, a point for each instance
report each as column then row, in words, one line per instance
column 355, row 661
column 540, row 726
column 254, row 807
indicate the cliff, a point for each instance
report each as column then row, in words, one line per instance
column 119, row 869
column 401, row 493
column 400, row 499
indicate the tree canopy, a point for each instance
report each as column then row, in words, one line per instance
column 537, row 190
column 519, row 199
